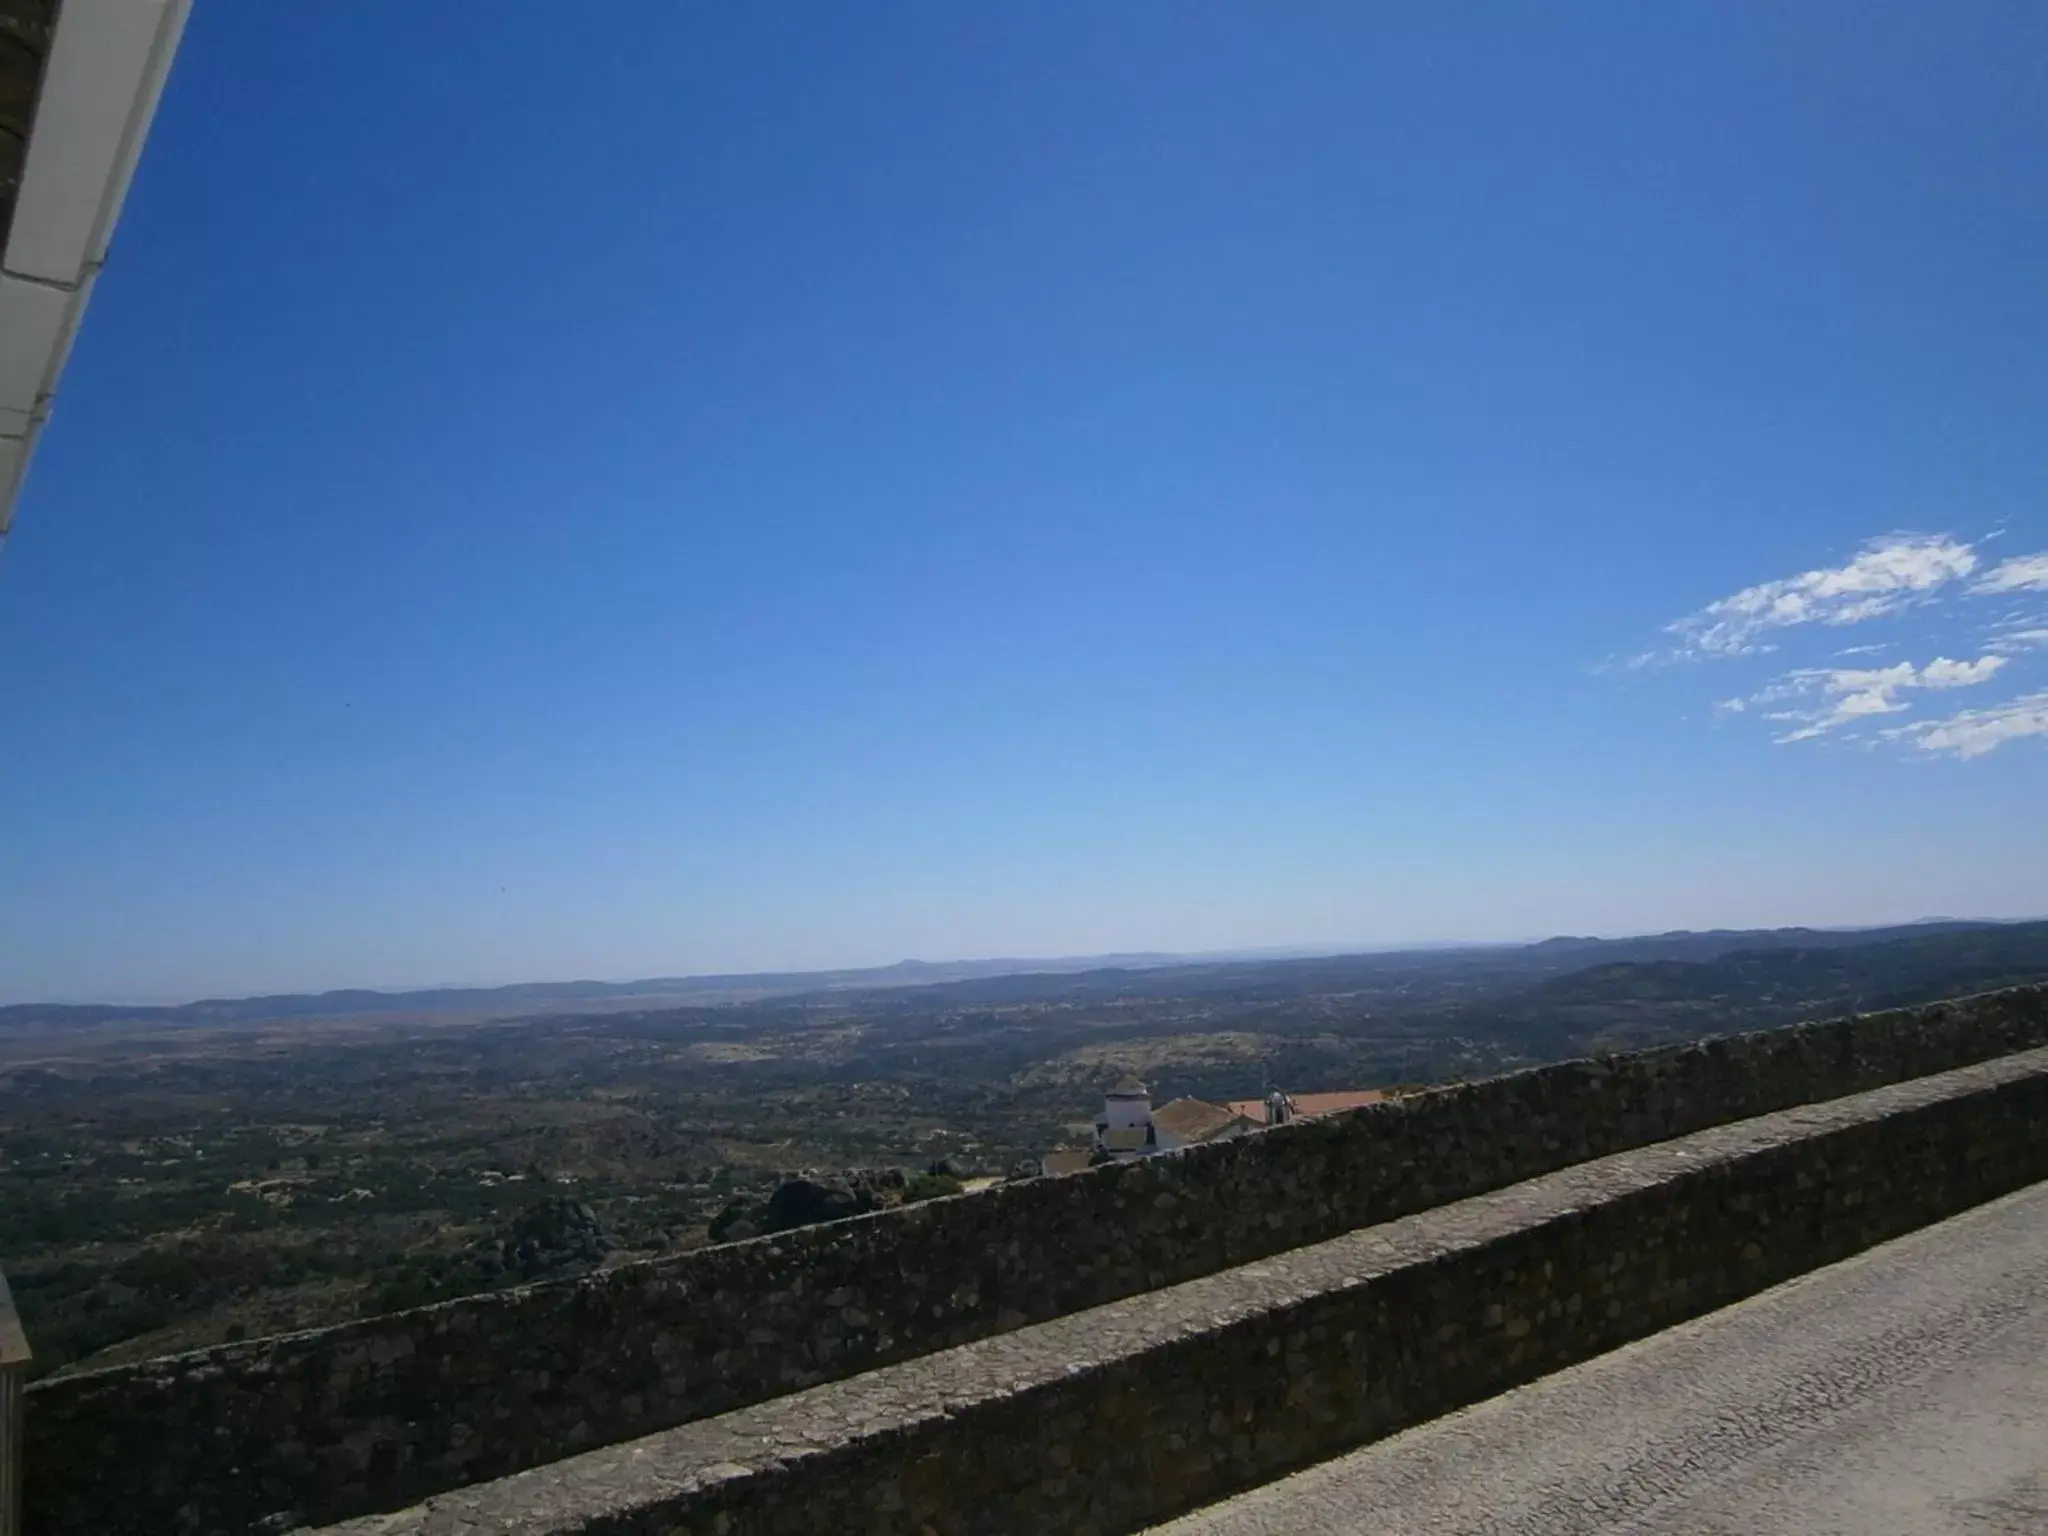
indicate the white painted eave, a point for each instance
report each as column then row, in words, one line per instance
column 106, row 68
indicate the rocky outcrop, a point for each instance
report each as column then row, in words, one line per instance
column 560, row 1236
column 805, row 1201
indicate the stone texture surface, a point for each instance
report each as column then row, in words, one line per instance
column 14, row 1359
column 1106, row 1420
column 554, row 1236
column 1901, row 1392
column 376, row 1414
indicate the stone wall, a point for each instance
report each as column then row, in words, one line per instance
column 14, row 1360
column 1109, row 1420
column 377, row 1414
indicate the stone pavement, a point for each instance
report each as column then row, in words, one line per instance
column 1903, row 1392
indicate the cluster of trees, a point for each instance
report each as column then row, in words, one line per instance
column 807, row 1200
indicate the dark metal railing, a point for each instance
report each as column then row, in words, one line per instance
column 13, row 1377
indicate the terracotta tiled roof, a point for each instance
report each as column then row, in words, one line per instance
column 1311, row 1104
column 1193, row 1120
column 1308, row 1106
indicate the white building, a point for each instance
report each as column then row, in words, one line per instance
column 1125, row 1128
column 1129, row 1127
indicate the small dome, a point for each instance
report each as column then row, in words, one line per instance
column 1128, row 1087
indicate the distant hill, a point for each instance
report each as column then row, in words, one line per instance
column 1685, row 944
column 1622, row 1003
column 1884, row 970
column 1018, row 980
column 561, row 996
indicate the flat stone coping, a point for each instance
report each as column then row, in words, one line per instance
column 639, row 1477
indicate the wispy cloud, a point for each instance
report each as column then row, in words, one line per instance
column 1850, row 695
column 1974, row 732
column 2014, row 641
column 1938, row 582
column 1886, row 576
column 2022, row 573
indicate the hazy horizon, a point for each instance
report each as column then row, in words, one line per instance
column 1023, row 961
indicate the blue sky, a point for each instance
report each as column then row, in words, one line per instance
column 739, row 486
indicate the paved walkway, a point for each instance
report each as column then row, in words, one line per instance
column 1901, row 1393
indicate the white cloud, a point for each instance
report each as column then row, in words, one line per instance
column 1854, row 694
column 1849, row 698
column 1943, row 673
column 2018, row 640
column 1887, row 575
column 1973, row 732
column 2022, row 573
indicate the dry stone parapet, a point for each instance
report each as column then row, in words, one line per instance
column 1108, row 1420
column 380, row 1413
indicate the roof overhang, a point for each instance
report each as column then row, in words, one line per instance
column 102, row 65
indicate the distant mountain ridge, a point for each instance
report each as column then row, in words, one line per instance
column 532, row 996
column 1688, row 943
column 1897, row 967
column 1010, row 977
